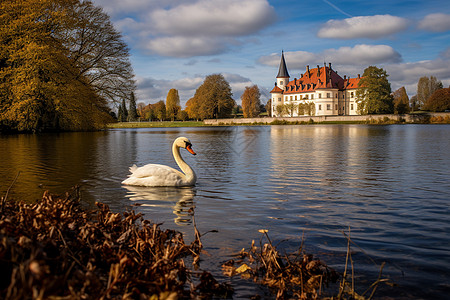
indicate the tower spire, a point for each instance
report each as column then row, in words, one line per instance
column 282, row 71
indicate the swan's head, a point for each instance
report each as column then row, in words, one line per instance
column 185, row 143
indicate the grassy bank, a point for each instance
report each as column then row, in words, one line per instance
column 156, row 124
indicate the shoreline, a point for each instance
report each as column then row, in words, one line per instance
column 386, row 119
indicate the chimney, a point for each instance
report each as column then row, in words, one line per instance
column 359, row 76
column 345, row 77
column 329, row 65
column 318, row 71
column 307, row 68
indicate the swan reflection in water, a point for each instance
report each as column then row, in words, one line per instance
column 180, row 199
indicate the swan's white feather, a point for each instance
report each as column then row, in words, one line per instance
column 161, row 175
column 155, row 175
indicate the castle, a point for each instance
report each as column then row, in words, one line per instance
column 318, row 92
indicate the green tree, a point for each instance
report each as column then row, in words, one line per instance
column 132, row 112
column 425, row 88
column 214, row 97
column 269, row 107
column 438, row 101
column 237, row 109
column 172, row 104
column 401, row 101
column 251, row 101
column 374, row 92
column 280, row 109
column 413, row 102
column 123, row 112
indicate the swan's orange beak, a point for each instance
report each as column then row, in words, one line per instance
column 189, row 148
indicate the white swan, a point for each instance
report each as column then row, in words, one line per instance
column 160, row 175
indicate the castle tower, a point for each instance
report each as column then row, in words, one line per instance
column 283, row 75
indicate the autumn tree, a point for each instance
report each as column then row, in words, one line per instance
column 425, row 88
column 213, row 97
column 193, row 108
column 401, row 101
column 140, row 109
column 182, row 115
column 438, row 101
column 159, row 109
column 47, row 82
column 251, row 101
column 374, row 92
column 172, row 104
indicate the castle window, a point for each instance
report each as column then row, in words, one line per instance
column 328, row 95
column 291, row 98
column 351, row 106
column 281, row 82
column 320, row 95
column 312, row 96
column 335, row 106
column 279, row 99
column 351, row 95
column 320, row 106
column 328, row 106
column 295, row 97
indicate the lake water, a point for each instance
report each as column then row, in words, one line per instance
column 388, row 185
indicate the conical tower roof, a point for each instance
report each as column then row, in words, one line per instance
column 282, row 71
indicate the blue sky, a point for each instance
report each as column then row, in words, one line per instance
column 177, row 43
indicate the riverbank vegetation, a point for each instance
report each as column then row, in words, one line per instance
column 56, row 249
column 156, row 124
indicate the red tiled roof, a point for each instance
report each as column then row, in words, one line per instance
column 351, row 83
column 276, row 89
column 318, row 78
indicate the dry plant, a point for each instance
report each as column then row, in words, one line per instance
column 296, row 275
column 54, row 249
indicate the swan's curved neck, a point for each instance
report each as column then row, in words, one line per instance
column 190, row 174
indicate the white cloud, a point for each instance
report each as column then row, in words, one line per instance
column 435, row 22
column 362, row 55
column 189, row 28
column 372, row 27
column 411, row 72
column 214, row 18
column 179, row 46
